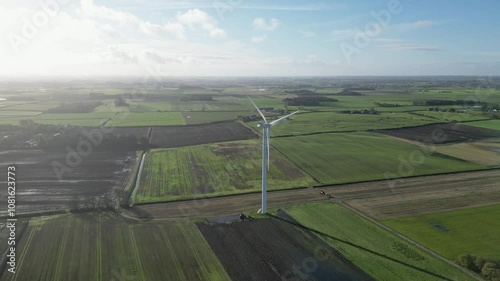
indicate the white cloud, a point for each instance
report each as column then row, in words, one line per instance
column 424, row 23
column 346, row 34
column 306, row 33
column 262, row 24
column 408, row 26
column 195, row 17
column 259, row 39
column 410, row 47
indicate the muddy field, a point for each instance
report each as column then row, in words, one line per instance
column 442, row 133
column 46, row 181
column 175, row 136
column 272, row 249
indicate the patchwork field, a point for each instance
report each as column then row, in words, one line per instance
column 376, row 251
column 473, row 231
column 442, row 133
column 104, row 247
column 350, row 157
column 174, row 136
column 215, row 169
column 271, row 249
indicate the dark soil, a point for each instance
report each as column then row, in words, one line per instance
column 175, row 136
column 273, row 249
column 442, row 133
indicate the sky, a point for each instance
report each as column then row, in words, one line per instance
column 249, row 38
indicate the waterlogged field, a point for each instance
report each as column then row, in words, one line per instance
column 215, row 169
column 351, row 157
column 96, row 246
column 335, row 122
column 474, row 231
column 376, row 251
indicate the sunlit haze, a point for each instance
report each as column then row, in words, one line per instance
column 248, row 38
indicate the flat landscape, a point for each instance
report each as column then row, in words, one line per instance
column 370, row 172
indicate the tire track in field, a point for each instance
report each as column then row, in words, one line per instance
column 25, row 250
column 61, row 250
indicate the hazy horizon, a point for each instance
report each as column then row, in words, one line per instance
column 104, row 38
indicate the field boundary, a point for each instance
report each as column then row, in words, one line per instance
column 421, row 247
column 137, row 179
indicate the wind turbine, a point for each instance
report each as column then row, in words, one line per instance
column 265, row 151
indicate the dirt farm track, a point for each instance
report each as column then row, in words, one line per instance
column 376, row 199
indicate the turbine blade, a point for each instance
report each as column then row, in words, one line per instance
column 282, row 118
column 256, row 107
column 268, row 151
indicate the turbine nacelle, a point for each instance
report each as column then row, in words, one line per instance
column 263, row 125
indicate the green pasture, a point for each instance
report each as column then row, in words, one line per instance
column 469, row 231
column 375, row 250
column 352, row 157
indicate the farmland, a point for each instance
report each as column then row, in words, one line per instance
column 108, row 248
column 146, row 119
column 375, row 250
column 174, row 136
column 442, row 133
column 482, row 153
column 422, row 195
column 490, row 124
column 454, row 233
column 216, row 169
column 46, row 181
column 334, row 122
column 343, row 157
column 370, row 148
column 270, row 249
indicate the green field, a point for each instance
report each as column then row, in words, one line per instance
column 474, row 231
column 451, row 116
column 482, row 153
column 198, row 117
column 351, row 157
column 215, row 169
column 147, row 119
column 490, row 124
column 375, row 250
column 102, row 247
column 335, row 122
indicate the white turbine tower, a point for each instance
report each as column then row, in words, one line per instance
column 265, row 151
